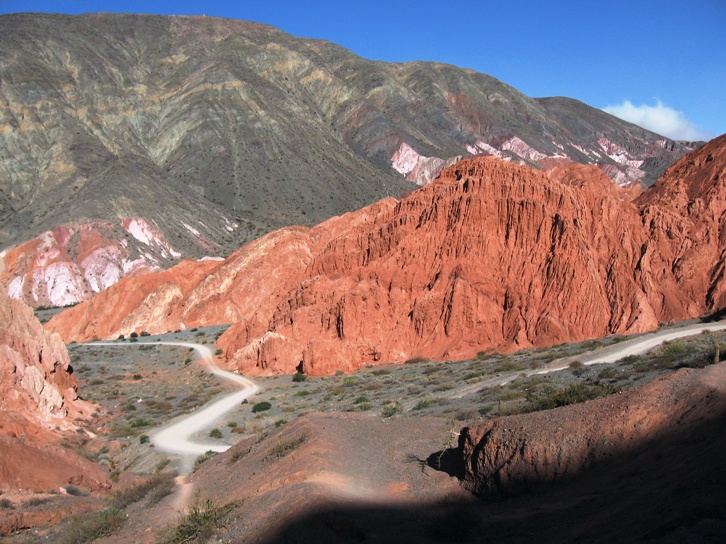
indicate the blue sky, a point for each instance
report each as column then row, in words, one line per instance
column 659, row 63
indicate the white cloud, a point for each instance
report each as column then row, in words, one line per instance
column 660, row 118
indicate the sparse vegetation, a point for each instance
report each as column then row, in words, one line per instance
column 199, row 523
column 285, row 448
column 92, row 526
column 206, row 456
column 215, row 433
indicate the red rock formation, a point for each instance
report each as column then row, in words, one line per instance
column 507, row 453
column 38, row 396
column 37, row 379
column 490, row 255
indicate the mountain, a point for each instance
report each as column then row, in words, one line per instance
column 213, row 132
column 490, row 255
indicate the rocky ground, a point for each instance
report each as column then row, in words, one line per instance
column 403, row 414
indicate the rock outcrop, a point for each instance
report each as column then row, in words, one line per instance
column 491, row 254
column 515, row 453
column 70, row 264
column 38, row 382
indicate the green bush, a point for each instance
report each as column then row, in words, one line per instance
column 144, row 439
column 261, row 407
column 141, row 422
column 133, row 335
column 215, row 433
column 145, row 333
column 299, row 377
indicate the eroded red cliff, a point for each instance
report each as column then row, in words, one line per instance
column 489, row 255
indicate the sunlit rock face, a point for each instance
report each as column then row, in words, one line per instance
column 70, row 264
column 37, row 380
column 490, row 255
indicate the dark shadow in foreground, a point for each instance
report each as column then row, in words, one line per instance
column 672, row 489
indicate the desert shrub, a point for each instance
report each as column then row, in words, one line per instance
column 140, row 422
column 92, row 526
column 144, row 439
column 673, row 350
column 144, row 333
column 261, row 407
column 446, row 386
column 417, row 360
column 76, row 491
column 285, row 448
column 163, row 488
column 215, row 433
column 390, row 410
column 199, row 523
column 465, row 415
column 303, row 393
column 37, row 501
column 133, row 335
column 121, row 337
column 231, row 424
column 7, row 504
column 137, row 377
column 206, row 456
column 361, row 400
column 576, row 364
column 422, row 404
column 508, row 366
column 484, row 410
column 218, row 352
column 299, row 377
column 381, row 372
column 607, row 374
column 159, row 485
column 363, row 406
column 548, row 397
column 280, row 422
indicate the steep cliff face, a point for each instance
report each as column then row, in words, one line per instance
column 38, row 385
column 489, row 255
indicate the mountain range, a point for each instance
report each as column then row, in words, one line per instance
column 146, row 139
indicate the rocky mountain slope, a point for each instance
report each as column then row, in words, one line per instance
column 490, row 255
column 215, row 131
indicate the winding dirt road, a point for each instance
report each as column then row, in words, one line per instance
column 175, row 438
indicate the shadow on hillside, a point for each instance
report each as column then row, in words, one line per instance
column 670, row 490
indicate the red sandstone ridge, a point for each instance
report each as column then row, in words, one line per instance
column 489, row 255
